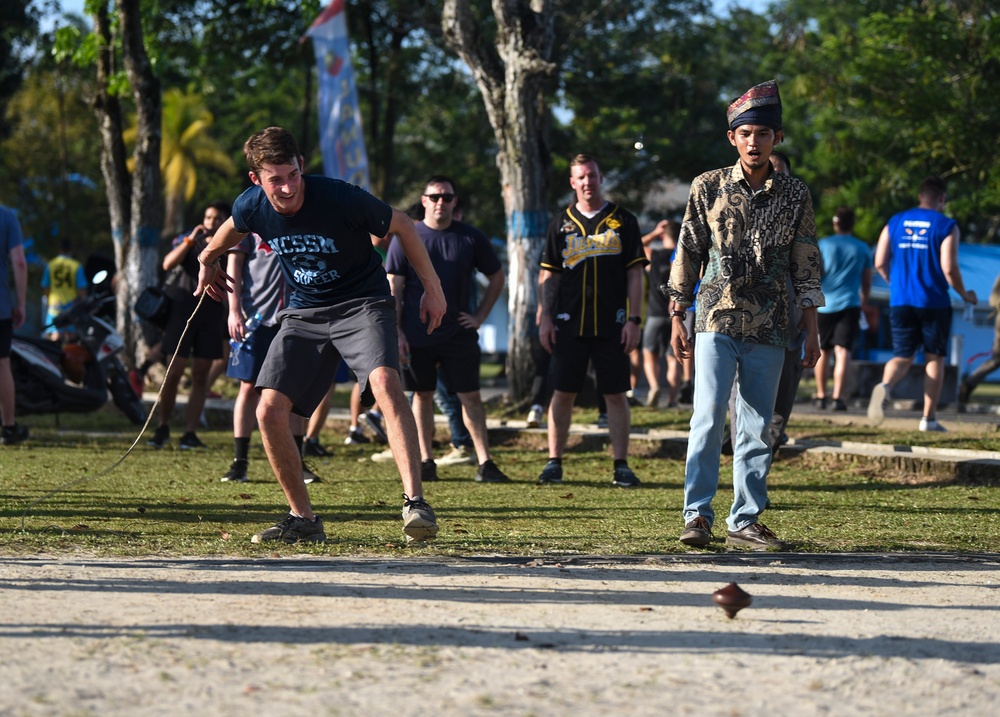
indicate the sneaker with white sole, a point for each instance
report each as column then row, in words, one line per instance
column 623, row 477
column 552, row 473
column 308, row 476
column 383, row 456
column 931, row 424
column 356, row 438
column 419, row 521
column 535, row 417
column 237, row 472
column 459, row 456
column 876, row 404
column 292, row 530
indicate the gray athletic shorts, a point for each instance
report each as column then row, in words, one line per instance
column 656, row 335
column 304, row 356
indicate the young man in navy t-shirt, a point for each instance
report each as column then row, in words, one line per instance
column 339, row 306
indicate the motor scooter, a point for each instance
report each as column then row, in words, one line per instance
column 75, row 377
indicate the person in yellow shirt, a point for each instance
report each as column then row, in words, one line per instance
column 63, row 282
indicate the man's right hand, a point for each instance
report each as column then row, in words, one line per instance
column 547, row 333
column 213, row 280
column 679, row 339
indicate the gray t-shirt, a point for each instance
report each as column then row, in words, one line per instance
column 264, row 290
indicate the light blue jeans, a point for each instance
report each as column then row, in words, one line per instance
column 718, row 360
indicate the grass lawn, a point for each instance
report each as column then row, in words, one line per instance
column 172, row 503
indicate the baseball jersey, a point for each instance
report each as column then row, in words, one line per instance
column 592, row 257
column 915, row 274
column 325, row 249
column 456, row 253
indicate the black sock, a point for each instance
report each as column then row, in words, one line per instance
column 242, row 448
column 621, row 462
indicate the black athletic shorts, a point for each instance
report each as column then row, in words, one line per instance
column 6, row 336
column 841, row 328
column 458, row 359
column 304, row 356
column 205, row 336
column 572, row 355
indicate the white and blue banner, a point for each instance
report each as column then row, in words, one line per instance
column 341, row 139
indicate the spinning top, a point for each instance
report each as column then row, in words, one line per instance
column 732, row 599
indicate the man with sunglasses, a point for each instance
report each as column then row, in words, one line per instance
column 456, row 250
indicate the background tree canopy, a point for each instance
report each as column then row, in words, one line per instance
column 877, row 93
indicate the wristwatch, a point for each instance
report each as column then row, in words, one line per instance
column 635, row 319
column 680, row 313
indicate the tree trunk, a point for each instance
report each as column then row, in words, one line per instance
column 147, row 184
column 511, row 77
column 113, row 161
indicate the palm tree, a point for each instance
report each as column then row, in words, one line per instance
column 187, row 147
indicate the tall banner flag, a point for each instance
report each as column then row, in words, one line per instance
column 341, row 140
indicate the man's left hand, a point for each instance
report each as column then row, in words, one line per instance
column 468, row 321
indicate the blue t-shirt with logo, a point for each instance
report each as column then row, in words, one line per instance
column 915, row 274
column 456, row 253
column 325, row 249
column 10, row 238
column 845, row 259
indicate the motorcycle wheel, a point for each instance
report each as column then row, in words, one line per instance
column 124, row 396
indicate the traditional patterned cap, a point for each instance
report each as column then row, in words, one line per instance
column 761, row 104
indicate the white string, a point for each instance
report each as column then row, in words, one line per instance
column 79, row 481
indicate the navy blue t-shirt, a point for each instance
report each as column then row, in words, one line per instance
column 456, row 253
column 325, row 249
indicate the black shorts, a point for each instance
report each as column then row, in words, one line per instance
column 656, row 335
column 573, row 354
column 841, row 328
column 205, row 336
column 457, row 358
column 304, row 356
column 6, row 336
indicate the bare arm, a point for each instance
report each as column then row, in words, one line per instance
column 211, row 277
column 490, row 296
column 952, row 271
column 19, row 267
column 883, row 254
column 432, row 304
column 237, row 322
column 866, row 286
column 631, row 332
column 397, row 284
column 657, row 233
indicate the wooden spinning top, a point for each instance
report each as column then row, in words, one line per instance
column 732, row 599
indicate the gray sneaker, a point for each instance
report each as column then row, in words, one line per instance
column 697, row 532
column 292, row 530
column 459, row 456
column 880, row 395
column 623, row 477
column 419, row 521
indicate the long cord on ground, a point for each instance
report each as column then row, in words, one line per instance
column 80, row 481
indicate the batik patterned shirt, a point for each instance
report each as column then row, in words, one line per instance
column 746, row 243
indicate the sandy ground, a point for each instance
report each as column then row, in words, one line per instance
column 826, row 634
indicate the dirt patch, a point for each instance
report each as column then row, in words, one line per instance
column 842, row 635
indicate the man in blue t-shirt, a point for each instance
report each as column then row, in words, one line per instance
column 456, row 250
column 847, row 279
column 918, row 255
column 339, row 306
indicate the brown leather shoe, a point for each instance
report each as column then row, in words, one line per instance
column 757, row 536
column 697, row 532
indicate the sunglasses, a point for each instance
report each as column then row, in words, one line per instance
column 435, row 198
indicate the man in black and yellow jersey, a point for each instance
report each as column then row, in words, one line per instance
column 591, row 294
